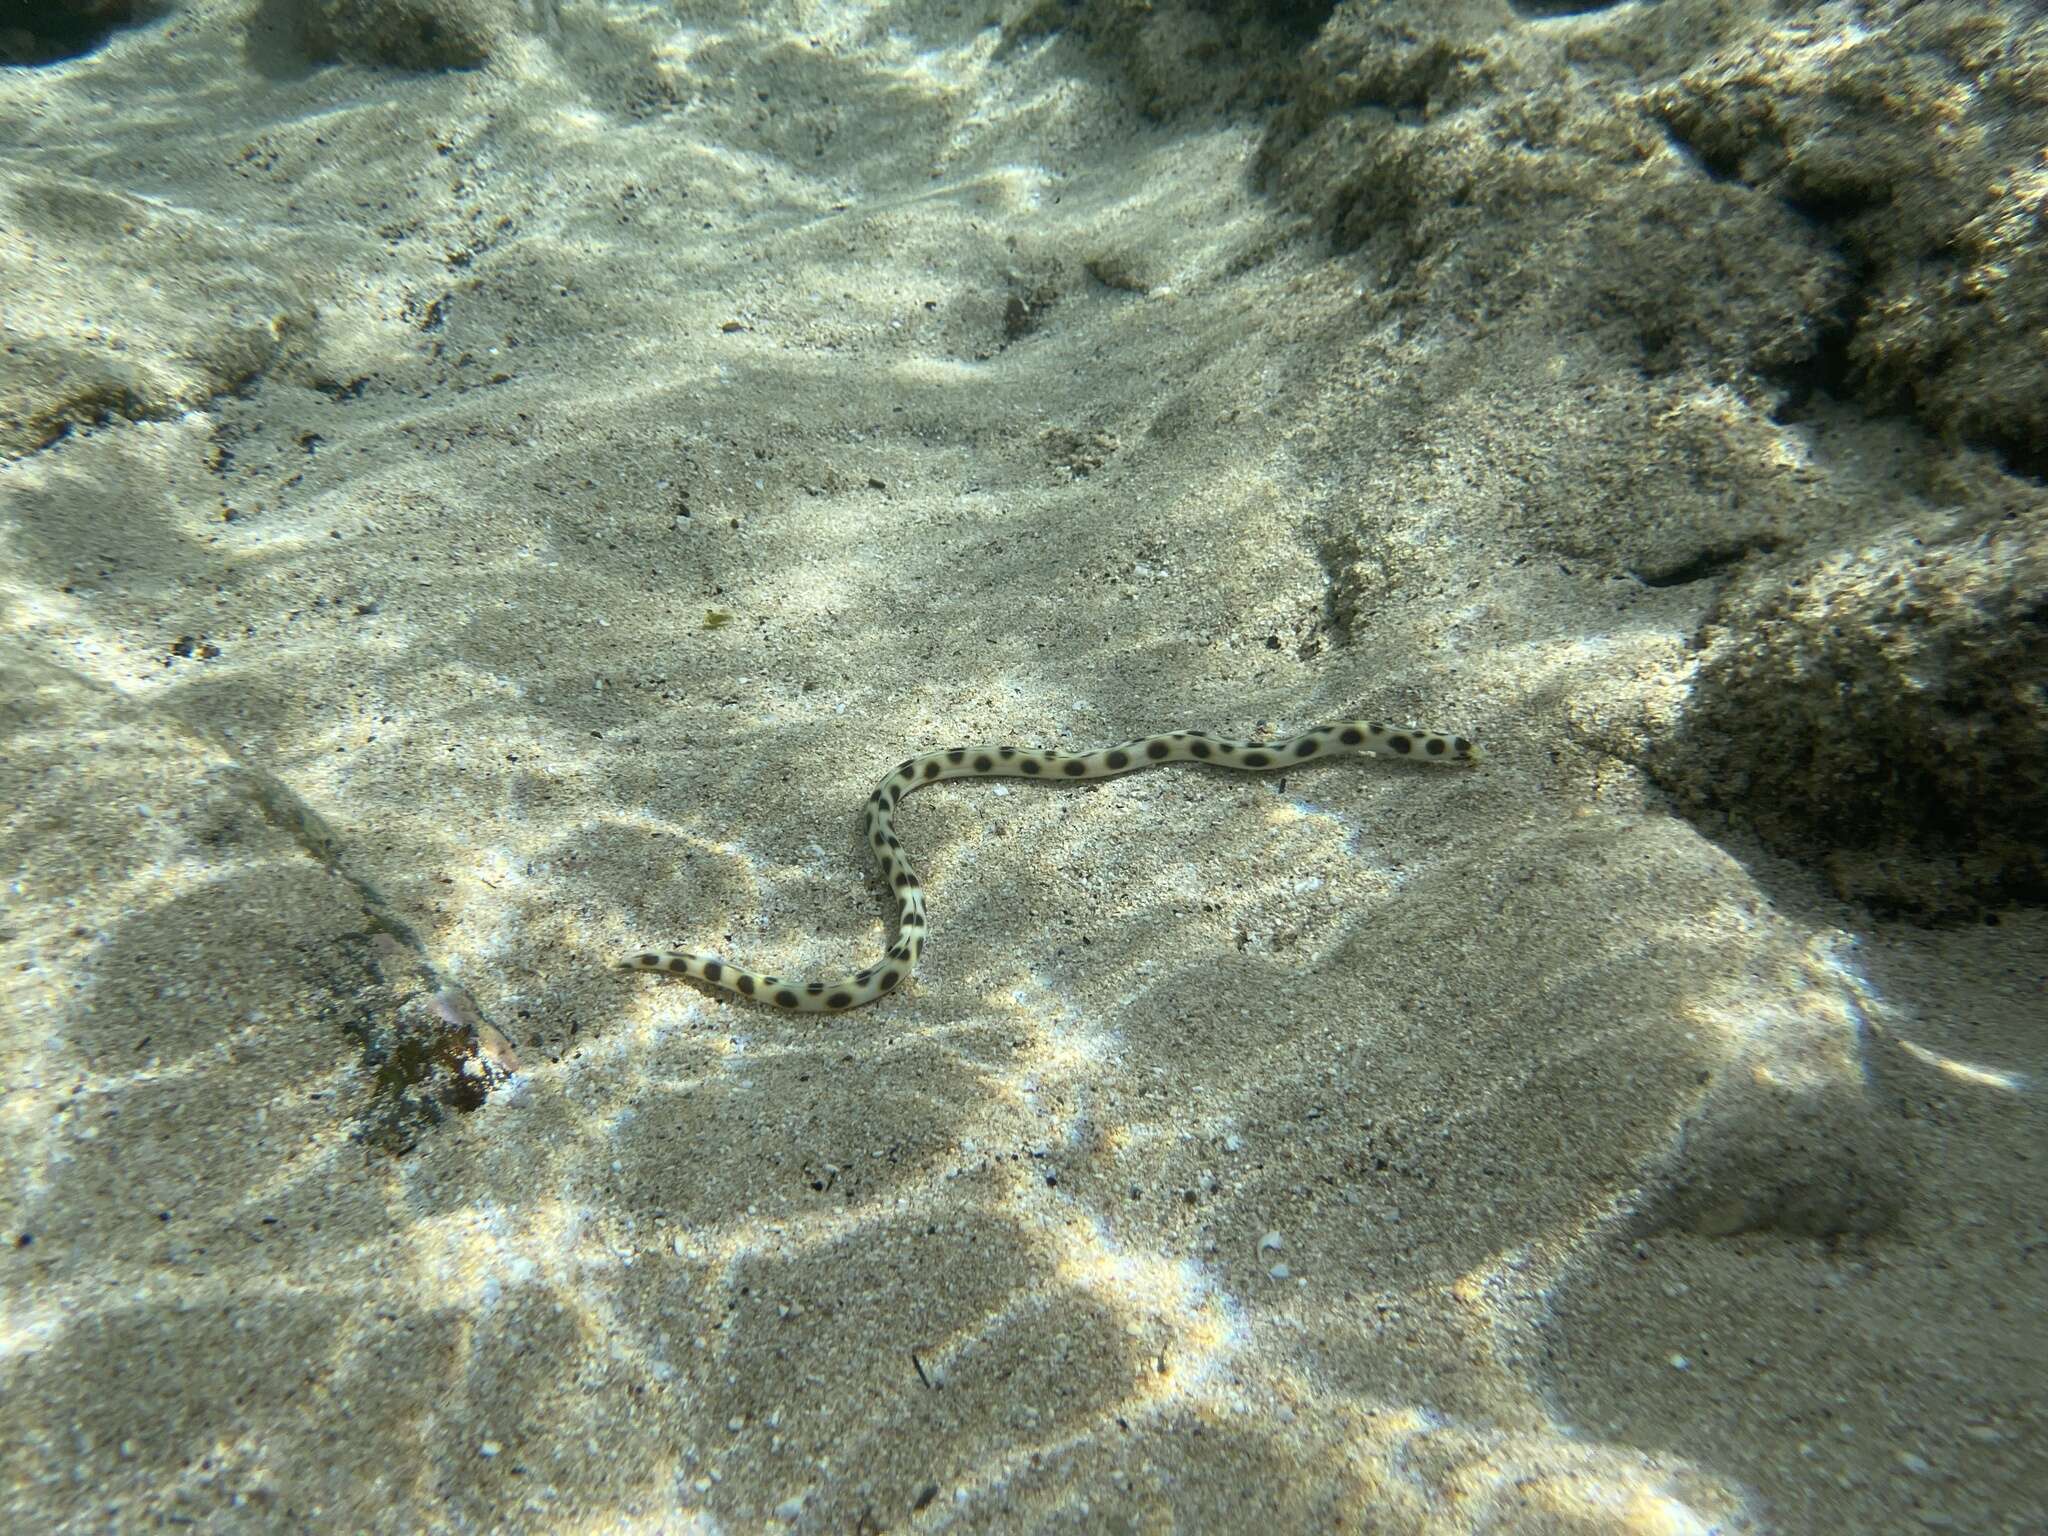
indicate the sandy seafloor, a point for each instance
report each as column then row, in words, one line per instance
column 462, row 526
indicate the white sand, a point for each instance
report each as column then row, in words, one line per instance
column 1384, row 1148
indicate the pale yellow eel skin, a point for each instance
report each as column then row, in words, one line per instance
column 1342, row 738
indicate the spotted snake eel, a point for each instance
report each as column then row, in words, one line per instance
column 1343, row 738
